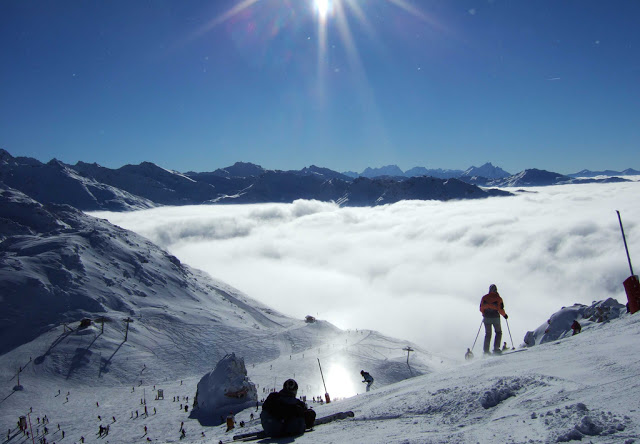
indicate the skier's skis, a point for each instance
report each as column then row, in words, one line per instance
column 319, row 421
column 250, row 436
column 334, row 417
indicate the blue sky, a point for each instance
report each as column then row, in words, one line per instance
column 199, row 85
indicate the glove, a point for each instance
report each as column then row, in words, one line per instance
column 506, row 317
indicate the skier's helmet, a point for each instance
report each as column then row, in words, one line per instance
column 361, row 372
column 290, row 386
column 493, row 288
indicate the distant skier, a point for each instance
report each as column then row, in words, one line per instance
column 504, row 346
column 468, row 355
column 576, row 327
column 367, row 378
column 285, row 415
column 491, row 307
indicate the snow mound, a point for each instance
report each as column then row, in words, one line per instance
column 503, row 390
column 225, row 389
column 582, row 422
column 558, row 326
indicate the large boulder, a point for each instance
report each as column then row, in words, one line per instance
column 226, row 389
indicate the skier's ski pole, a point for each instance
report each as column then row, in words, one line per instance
column 474, row 342
column 507, row 321
column 326, row 394
column 625, row 243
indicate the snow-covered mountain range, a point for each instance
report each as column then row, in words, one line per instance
column 536, row 178
column 91, row 187
column 487, row 170
column 486, row 173
column 588, row 173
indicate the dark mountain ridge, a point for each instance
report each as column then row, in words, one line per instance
column 91, row 187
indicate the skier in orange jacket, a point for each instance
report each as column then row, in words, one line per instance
column 491, row 307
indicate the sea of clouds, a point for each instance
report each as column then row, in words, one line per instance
column 415, row 269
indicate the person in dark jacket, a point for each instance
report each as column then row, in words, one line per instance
column 285, row 415
column 367, row 378
column 576, row 327
column 491, row 307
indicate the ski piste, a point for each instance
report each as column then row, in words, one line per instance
column 319, row 421
column 508, row 352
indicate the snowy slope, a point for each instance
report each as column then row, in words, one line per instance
column 583, row 387
column 60, row 267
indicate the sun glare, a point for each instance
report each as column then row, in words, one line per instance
column 322, row 7
column 339, row 382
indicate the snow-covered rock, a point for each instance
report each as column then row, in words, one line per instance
column 558, row 326
column 226, row 389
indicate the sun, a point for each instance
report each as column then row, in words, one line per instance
column 323, row 8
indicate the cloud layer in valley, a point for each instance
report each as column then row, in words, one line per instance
column 416, row 269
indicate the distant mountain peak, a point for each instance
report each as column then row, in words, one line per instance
column 589, row 173
column 240, row 169
column 4, row 155
column 388, row 170
column 487, row 170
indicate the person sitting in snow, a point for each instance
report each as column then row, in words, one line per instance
column 285, row 415
column 491, row 307
column 231, row 421
column 576, row 327
column 367, row 378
